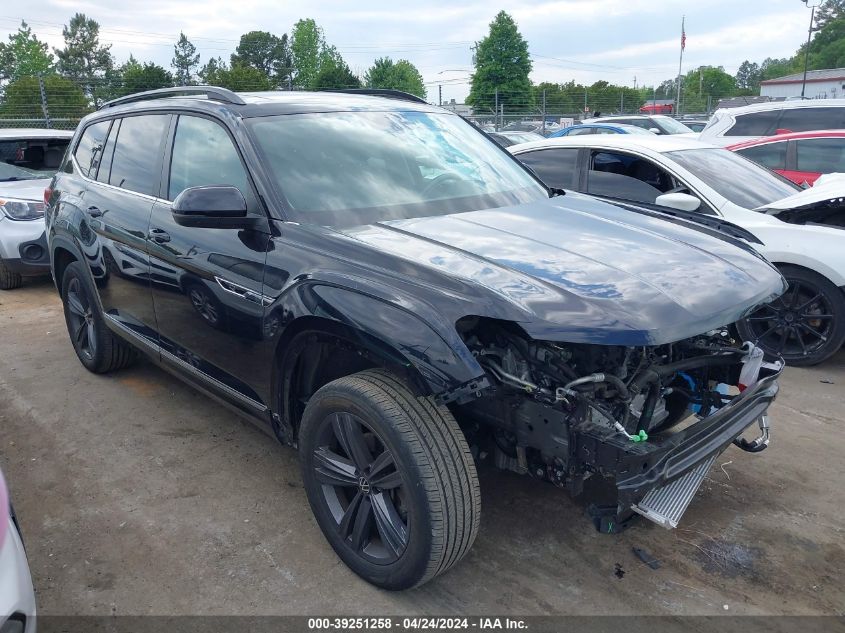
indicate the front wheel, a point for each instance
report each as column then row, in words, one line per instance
column 8, row 279
column 390, row 479
column 805, row 325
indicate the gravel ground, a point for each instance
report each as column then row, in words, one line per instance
column 138, row 495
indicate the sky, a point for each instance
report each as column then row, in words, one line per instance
column 619, row 41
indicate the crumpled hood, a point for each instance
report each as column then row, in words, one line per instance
column 25, row 189
column 582, row 270
column 827, row 187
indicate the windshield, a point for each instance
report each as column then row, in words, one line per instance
column 670, row 125
column 633, row 129
column 349, row 168
column 736, row 178
column 12, row 172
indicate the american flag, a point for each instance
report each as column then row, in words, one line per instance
column 683, row 37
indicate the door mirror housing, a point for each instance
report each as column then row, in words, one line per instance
column 210, row 206
column 655, row 130
column 679, row 201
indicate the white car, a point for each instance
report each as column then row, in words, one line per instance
column 801, row 231
column 28, row 160
column 730, row 126
column 17, row 598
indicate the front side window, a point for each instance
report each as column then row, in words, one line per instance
column 348, row 168
column 770, row 155
column 89, row 150
column 808, row 119
column 555, row 167
column 203, row 154
column 739, row 180
column 581, row 131
column 137, row 153
column 821, row 155
column 755, row 124
column 627, row 177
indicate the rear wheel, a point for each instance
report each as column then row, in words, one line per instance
column 390, row 479
column 8, row 279
column 805, row 325
column 95, row 345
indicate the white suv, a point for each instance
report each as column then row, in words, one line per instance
column 729, row 126
column 28, row 159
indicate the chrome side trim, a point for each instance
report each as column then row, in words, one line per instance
column 190, row 369
column 243, row 292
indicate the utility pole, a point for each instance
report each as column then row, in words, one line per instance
column 544, row 112
column 812, row 4
column 440, row 94
column 622, row 101
column 43, row 91
column 496, row 97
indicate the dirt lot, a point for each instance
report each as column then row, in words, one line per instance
column 137, row 495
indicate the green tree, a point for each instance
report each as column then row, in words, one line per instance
column 22, row 98
column 134, row 77
column 24, row 55
column 335, row 74
column 703, row 82
column 401, row 75
column 502, row 66
column 238, row 77
column 829, row 11
column 771, row 67
column 265, row 52
column 827, row 50
column 83, row 59
column 748, row 76
column 185, row 60
column 309, row 51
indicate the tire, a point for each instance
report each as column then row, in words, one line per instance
column 8, row 279
column 430, row 485
column 805, row 325
column 98, row 349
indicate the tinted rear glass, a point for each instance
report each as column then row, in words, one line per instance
column 771, row 155
column 137, row 154
column 90, row 148
column 808, row 119
column 755, row 124
column 555, row 167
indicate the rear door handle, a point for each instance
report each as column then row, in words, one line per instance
column 159, row 235
column 94, row 212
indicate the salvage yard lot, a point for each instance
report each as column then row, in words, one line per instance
column 138, row 495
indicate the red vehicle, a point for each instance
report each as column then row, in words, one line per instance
column 800, row 156
column 659, row 106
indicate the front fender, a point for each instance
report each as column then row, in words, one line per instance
column 387, row 329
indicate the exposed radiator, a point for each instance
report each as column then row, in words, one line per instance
column 666, row 505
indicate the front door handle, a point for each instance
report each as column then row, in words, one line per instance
column 159, row 235
column 94, row 212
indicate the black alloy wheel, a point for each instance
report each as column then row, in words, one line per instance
column 390, row 479
column 81, row 319
column 362, row 488
column 805, row 325
column 205, row 305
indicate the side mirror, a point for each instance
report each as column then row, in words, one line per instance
column 655, row 130
column 211, row 206
column 679, row 201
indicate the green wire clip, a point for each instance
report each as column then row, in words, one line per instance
column 642, row 436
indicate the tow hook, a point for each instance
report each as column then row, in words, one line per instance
column 759, row 444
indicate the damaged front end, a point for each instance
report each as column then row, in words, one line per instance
column 626, row 429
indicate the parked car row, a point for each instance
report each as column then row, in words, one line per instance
column 389, row 293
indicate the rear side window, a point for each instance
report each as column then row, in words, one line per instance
column 89, row 150
column 137, row 153
column 821, row 155
column 104, row 171
column 756, row 124
column 203, row 154
column 555, row 167
column 807, row 119
column 581, row 131
column 771, row 155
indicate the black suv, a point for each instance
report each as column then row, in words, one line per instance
column 393, row 294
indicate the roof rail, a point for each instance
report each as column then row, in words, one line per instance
column 381, row 92
column 211, row 92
